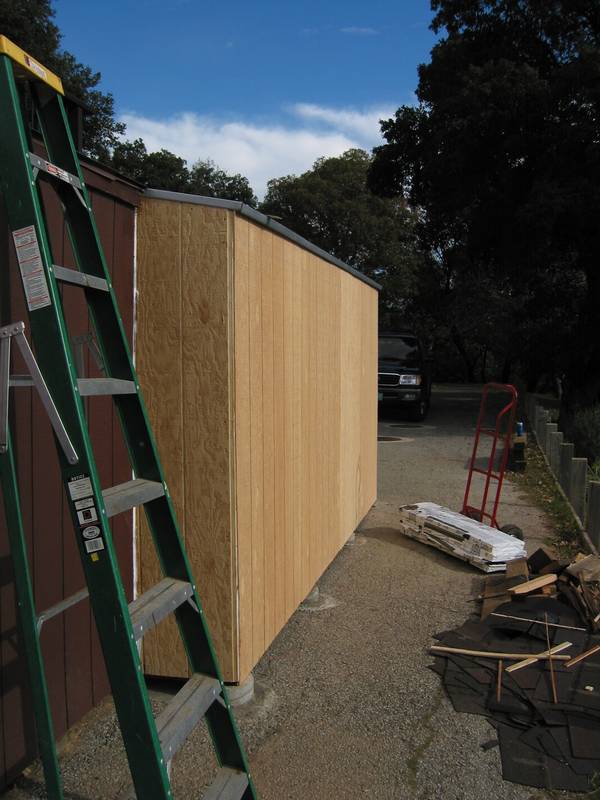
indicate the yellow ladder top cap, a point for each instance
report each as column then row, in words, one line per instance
column 30, row 64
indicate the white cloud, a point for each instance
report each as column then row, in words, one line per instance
column 260, row 151
column 355, row 30
column 363, row 124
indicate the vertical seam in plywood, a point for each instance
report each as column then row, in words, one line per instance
column 234, row 566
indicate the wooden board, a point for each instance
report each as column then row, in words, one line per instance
column 533, row 584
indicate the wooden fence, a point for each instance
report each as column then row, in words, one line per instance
column 573, row 475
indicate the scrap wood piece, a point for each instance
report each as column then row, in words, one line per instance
column 517, row 567
column 537, row 621
column 489, row 604
column 539, row 560
column 586, row 568
column 519, row 657
column 533, row 584
column 583, row 656
column 575, row 601
column 499, row 681
column 550, row 664
column 549, row 654
column 553, row 566
column 494, row 593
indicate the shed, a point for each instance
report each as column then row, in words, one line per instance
column 257, row 354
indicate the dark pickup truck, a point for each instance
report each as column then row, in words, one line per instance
column 404, row 372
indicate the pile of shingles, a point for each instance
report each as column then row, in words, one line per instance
column 531, row 665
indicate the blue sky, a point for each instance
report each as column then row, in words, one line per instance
column 262, row 88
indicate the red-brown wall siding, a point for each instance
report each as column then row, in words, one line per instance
column 74, row 663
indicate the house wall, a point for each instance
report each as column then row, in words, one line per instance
column 263, row 399
column 74, row 663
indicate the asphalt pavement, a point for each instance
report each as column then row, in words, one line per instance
column 345, row 704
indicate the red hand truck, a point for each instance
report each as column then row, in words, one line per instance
column 500, row 434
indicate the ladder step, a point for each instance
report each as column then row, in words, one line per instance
column 21, row 380
column 157, row 603
column 230, row 784
column 185, row 711
column 126, row 496
column 78, row 278
column 93, row 387
column 54, row 171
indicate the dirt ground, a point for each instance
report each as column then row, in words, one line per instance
column 345, row 706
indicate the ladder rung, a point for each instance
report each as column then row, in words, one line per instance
column 59, row 608
column 79, row 278
column 55, row 172
column 92, row 387
column 230, row 784
column 157, row 603
column 21, row 380
column 185, row 711
column 128, row 495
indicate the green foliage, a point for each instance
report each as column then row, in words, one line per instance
column 332, row 206
column 585, row 431
column 539, row 484
column 502, row 154
column 207, row 179
column 165, row 170
column 160, row 170
column 29, row 23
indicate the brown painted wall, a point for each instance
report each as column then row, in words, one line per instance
column 74, row 663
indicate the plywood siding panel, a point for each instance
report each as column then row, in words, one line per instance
column 265, row 266
column 311, row 323
column 368, row 446
column 280, row 543
column 183, row 263
column 242, row 422
column 205, row 314
column 290, row 400
column 289, row 333
column 160, row 370
column 256, row 437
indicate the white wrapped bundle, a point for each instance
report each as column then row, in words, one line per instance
column 486, row 548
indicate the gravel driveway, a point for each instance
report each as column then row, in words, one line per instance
column 345, row 705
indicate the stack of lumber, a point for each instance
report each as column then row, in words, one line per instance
column 531, row 665
column 486, row 548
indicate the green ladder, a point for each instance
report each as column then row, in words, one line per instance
column 150, row 743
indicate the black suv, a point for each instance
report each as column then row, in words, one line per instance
column 404, row 372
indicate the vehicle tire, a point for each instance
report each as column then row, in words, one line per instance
column 419, row 412
column 513, row 530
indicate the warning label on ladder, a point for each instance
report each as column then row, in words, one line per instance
column 80, row 487
column 32, row 269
